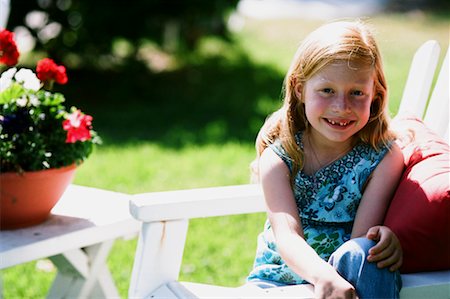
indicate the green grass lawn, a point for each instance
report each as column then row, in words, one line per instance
column 194, row 127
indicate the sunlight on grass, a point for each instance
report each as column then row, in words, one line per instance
column 146, row 167
column 221, row 250
column 26, row 281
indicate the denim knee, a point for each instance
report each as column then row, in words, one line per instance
column 354, row 250
column 353, row 254
column 350, row 261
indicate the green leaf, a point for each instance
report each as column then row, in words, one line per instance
column 14, row 91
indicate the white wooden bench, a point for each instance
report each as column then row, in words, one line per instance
column 77, row 238
column 165, row 215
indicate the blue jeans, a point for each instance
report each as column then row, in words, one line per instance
column 350, row 261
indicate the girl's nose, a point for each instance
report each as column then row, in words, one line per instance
column 341, row 103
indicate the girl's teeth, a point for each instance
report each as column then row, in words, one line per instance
column 340, row 123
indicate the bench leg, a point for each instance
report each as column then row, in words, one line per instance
column 158, row 256
column 83, row 273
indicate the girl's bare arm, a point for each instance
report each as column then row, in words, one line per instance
column 374, row 204
column 283, row 216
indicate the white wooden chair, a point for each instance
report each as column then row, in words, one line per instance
column 165, row 215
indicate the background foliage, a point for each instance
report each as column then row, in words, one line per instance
column 82, row 33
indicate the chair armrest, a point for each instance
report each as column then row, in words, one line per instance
column 426, row 285
column 197, row 203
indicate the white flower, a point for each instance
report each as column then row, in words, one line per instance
column 28, row 78
column 34, row 100
column 6, row 78
column 22, row 102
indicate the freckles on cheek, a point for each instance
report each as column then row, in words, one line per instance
column 364, row 111
column 311, row 109
column 363, row 106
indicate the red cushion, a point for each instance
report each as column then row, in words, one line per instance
column 420, row 210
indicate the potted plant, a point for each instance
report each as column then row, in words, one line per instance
column 41, row 142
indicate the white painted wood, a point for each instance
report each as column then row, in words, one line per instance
column 158, row 256
column 162, row 292
column 420, row 77
column 195, row 203
column 437, row 115
column 184, row 290
column 79, row 273
column 424, row 278
column 64, row 286
column 415, row 286
column 105, row 285
column 446, row 135
column 205, row 291
column 97, row 255
column 84, row 216
column 73, row 262
column 77, row 238
column 426, row 285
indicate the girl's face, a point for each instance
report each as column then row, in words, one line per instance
column 337, row 100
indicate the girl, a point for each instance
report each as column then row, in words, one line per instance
column 328, row 168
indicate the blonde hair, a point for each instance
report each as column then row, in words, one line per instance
column 350, row 41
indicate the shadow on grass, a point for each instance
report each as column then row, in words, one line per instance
column 212, row 102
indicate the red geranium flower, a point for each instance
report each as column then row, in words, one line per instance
column 9, row 54
column 47, row 70
column 78, row 127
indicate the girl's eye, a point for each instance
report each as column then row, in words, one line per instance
column 327, row 90
column 357, row 93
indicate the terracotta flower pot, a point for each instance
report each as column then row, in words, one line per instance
column 27, row 199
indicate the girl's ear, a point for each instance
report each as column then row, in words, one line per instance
column 297, row 88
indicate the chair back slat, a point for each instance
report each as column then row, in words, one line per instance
column 437, row 115
column 418, row 84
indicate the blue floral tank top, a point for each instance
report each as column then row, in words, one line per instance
column 327, row 203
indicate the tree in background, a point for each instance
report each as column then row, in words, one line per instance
column 94, row 33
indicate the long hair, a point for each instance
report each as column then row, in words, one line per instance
column 349, row 41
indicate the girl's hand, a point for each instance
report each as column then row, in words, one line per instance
column 334, row 287
column 388, row 251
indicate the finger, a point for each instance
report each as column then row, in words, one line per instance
column 373, row 233
column 397, row 265
column 390, row 261
column 382, row 255
column 381, row 245
column 385, row 240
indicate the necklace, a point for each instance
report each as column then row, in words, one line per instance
column 327, row 162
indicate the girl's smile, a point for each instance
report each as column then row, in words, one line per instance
column 337, row 100
column 339, row 123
